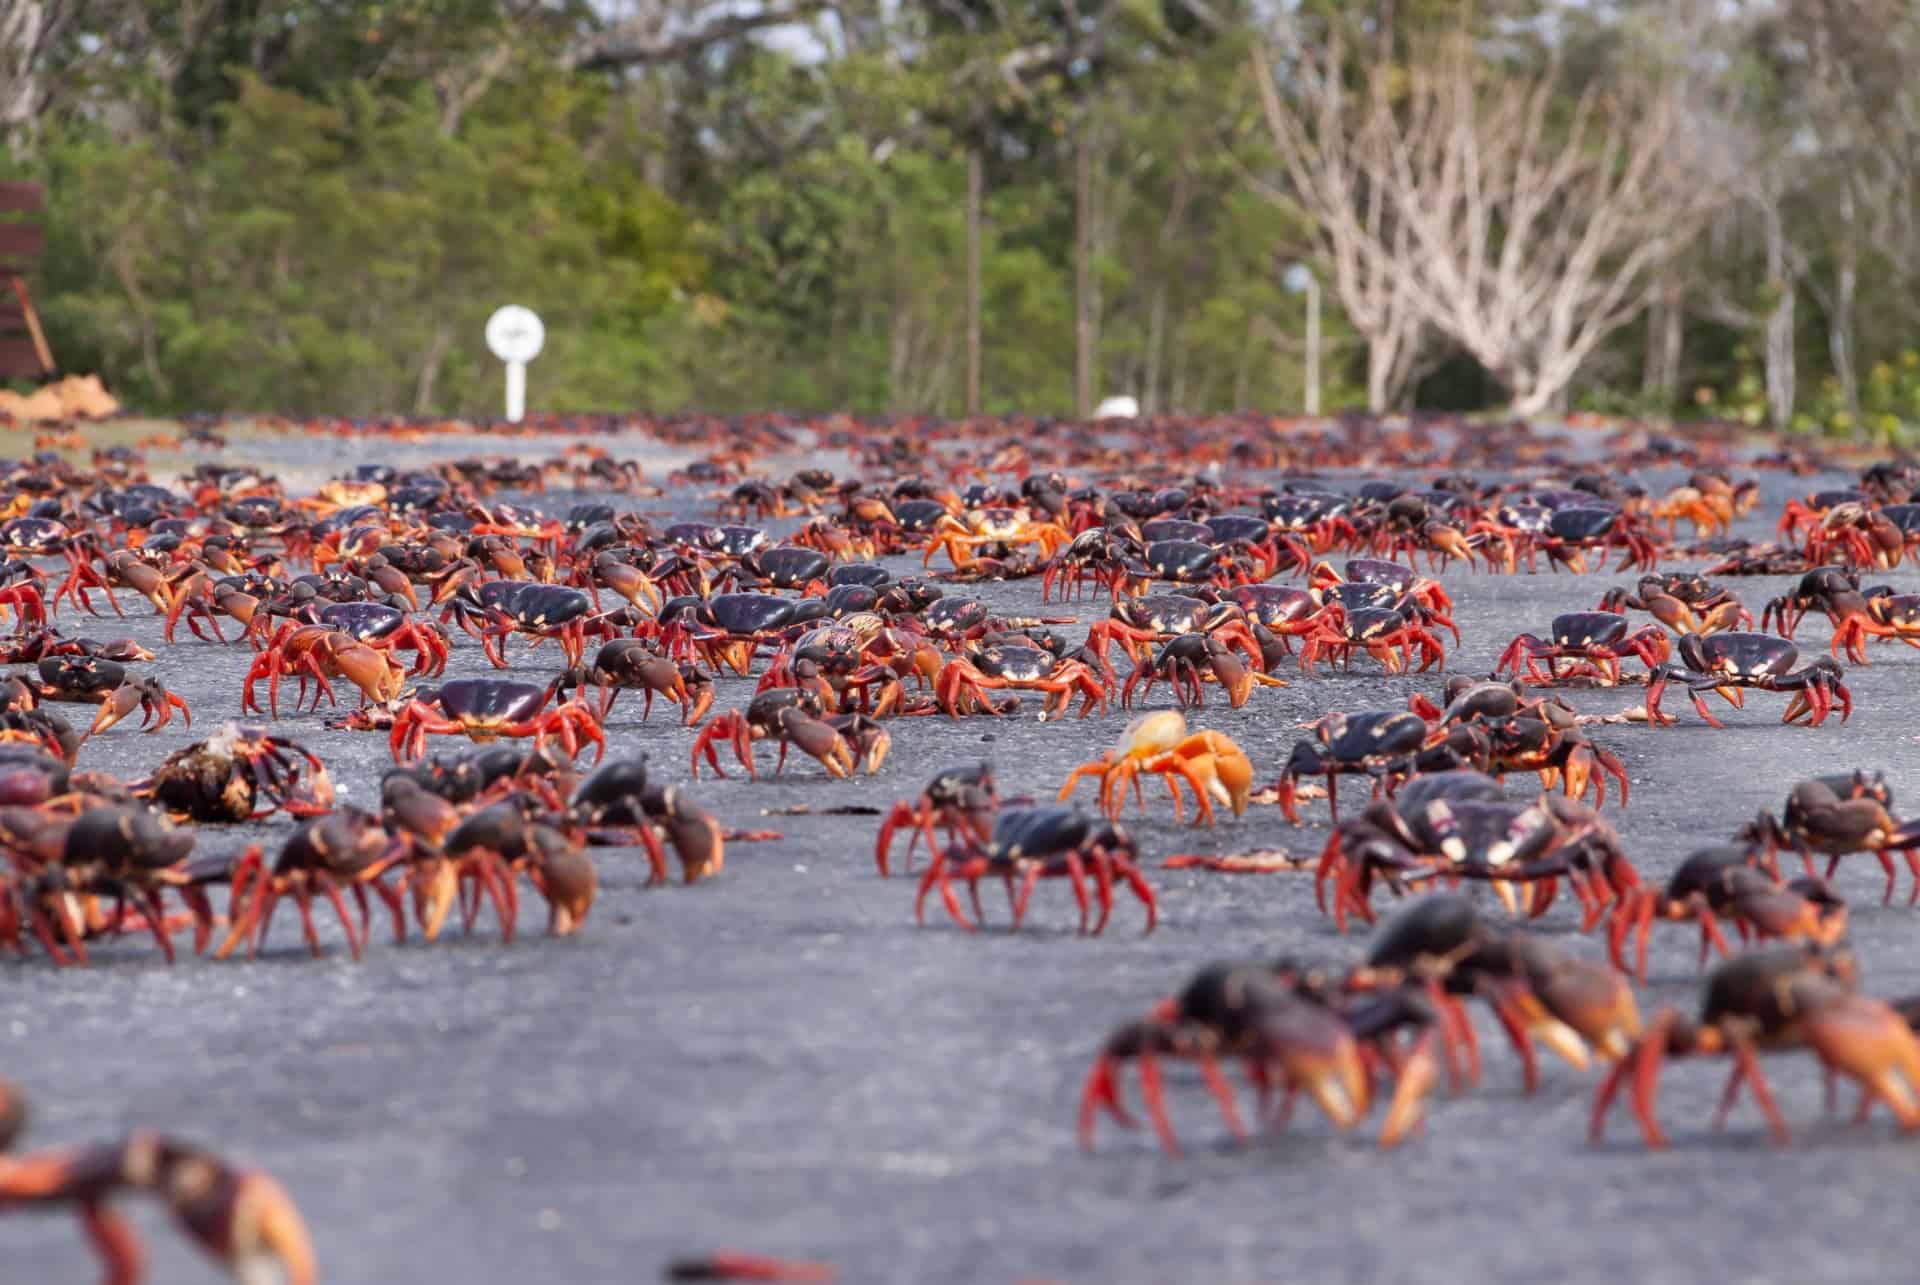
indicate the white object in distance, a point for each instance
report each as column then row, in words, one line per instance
column 516, row 335
column 1118, row 408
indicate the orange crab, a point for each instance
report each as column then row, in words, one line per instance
column 1159, row 743
column 1003, row 526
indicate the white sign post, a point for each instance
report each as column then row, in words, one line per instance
column 1298, row 279
column 516, row 336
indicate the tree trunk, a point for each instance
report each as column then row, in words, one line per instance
column 1083, row 277
column 1532, row 399
column 1778, row 331
column 1177, row 392
column 1313, row 347
column 1840, row 316
column 436, row 356
column 1393, row 357
column 976, row 181
column 1243, row 368
column 1660, row 374
column 1379, row 375
column 1780, row 359
column 1156, row 346
column 23, row 32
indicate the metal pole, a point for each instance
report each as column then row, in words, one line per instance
column 516, row 391
column 975, row 182
column 1083, row 275
column 1313, row 345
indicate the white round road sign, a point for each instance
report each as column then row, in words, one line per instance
column 515, row 334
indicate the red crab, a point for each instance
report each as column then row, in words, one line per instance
column 485, row 709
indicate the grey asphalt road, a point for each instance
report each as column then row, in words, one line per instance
column 779, row 1060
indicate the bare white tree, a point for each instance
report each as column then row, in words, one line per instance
column 1476, row 202
column 27, row 31
column 1337, row 173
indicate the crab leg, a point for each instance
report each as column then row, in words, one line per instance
column 1029, row 877
column 1223, row 1094
column 936, row 875
column 1153, row 1093
column 1103, row 884
column 1744, row 1053
column 1076, row 871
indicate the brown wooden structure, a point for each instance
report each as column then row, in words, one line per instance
column 23, row 344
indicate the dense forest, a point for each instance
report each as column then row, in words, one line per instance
column 1653, row 206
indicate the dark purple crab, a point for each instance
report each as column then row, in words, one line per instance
column 1158, row 529
column 1097, row 554
column 1374, row 582
column 1244, row 533
column 477, row 605
column 1423, row 835
column 1596, row 639
column 955, row 618
column 1832, row 590
column 786, row 567
column 618, row 805
column 1318, row 517
column 390, row 629
column 128, row 852
column 34, row 538
column 1191, row 562
column 728, row 627
column 961, row 800
column 1037, row 843
column 93, row 680
column 1574, row 529
column 737, row 541
column 1161, row 617
column 1377, row 743
column 633, row 664
column 545, row 611
column 788, row 716
column 1733, row 660
column 485, row 709
column 1185, row 660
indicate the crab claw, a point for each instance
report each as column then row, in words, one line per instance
column 1866, row 1040
column 819, row 740
column 1417, row 1076
column 264, row 1229
column 1235, row 677
column 155, row 702
column 699, row 701
column 435, row 885
column 1323, row 1059
column 692, row 830
column 376, row 675
column 568, row 880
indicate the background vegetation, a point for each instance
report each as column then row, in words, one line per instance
column 311, row 205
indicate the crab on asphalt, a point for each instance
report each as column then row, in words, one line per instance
column 1029, row 844
column 1216, row 769
column 1724, row 662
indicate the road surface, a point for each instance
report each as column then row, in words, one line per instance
column 780, row 1061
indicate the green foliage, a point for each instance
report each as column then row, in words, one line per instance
column 289, row 218
column 311, row 206
column 342, row 255
column 1889, row 404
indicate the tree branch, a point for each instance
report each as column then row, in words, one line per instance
column 644, row 42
